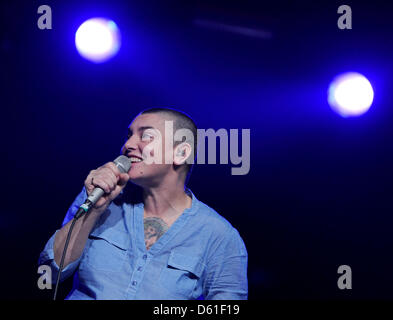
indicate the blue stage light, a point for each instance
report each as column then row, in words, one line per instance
column 98, row 39
column 350, row 94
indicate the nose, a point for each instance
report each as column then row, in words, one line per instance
column 130, row 145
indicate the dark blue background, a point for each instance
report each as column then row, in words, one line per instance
column 319, row 192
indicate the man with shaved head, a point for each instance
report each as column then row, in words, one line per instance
column 170, row 245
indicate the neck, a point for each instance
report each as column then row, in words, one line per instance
column 166, row 200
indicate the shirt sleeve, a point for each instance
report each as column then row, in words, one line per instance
column 226, row 277
column 47, row 255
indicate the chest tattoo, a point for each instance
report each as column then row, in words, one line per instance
column 154, row 229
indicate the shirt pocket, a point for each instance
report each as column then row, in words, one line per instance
column 181, row 274
column 107, row 250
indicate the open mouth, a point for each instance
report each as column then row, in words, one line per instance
column 135, row 159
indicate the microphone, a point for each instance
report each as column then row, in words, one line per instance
column 123, row 163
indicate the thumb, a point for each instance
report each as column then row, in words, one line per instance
column 123, row 179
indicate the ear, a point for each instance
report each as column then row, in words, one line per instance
column 181, row 153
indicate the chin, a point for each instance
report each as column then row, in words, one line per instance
column 135, row 177
column 144, row 181
column 138, row 178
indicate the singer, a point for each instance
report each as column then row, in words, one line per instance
column 170, row 245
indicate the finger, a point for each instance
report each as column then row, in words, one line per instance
column 108, row 171
column 113, row 168
column 101, row 202
column 98, row 182
column 115, row 192
column 89, row 176
column 109, row 177
column 120, row 186
column 123, row 179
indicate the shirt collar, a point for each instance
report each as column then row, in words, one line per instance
column 194, row 204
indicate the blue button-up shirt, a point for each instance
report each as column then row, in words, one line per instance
column 200, row 255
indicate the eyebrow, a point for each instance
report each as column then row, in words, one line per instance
column 141, row 128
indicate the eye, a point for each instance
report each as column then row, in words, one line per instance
column 147, row 136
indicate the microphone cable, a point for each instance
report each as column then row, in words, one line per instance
column 63, row 256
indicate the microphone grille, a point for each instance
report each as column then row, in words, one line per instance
column 123, row 163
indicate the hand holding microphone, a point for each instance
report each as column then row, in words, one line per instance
column 105, row 184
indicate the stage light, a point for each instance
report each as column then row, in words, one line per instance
column 350, row 94
column 97, row 39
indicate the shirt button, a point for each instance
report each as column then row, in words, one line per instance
column 134, row 283
column 139, row 268
column 144, row 257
